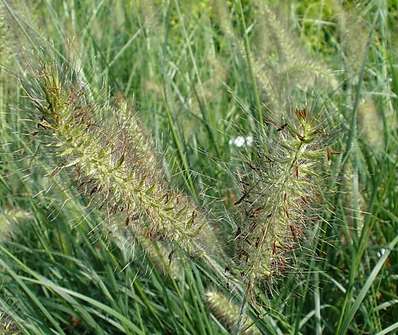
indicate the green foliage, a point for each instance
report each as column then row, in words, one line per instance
column 136, row 111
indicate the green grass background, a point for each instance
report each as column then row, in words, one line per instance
column 196, row 87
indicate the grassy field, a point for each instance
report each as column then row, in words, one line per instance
column 198, row 167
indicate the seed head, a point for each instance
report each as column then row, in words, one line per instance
column 228, row 313
column 280, row 188
column 116, row 165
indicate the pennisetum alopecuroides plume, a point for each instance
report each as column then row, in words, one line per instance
column 280, row 188
column 116, row 165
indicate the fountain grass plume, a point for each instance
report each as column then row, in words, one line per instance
column 353, row 34
column 7, row 57
column 9, row 218
column 228, row 313
column 282, row 64
column 371, row 124
column 7, row 326
column 115, row 166
column 279, row 192
column 4, row 40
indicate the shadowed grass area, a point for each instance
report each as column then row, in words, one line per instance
column 218, row 96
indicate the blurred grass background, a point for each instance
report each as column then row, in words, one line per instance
column 200, row 74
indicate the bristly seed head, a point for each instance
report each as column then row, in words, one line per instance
column 116, row 166
column 228, row 313
column 278, row 195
